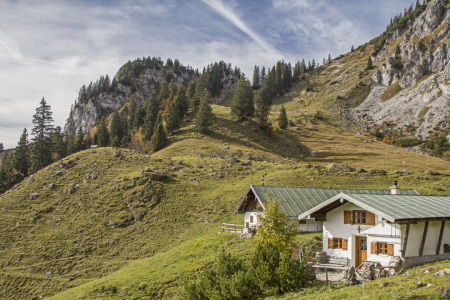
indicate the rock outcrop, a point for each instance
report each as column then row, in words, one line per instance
column 420, row 70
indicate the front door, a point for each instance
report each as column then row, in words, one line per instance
column 360, row 250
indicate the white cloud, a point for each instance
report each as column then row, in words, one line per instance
column 228, row 13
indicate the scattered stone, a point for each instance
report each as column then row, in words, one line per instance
column 198, row 166
column 313, row 153
column 344, row 168
column 93, row 151
column 15, row 186
column 94, row 177
column 147, row 169
column 95, row 186
column 194, row 179
column 31, row 179
column 67, row 207
column 116, row 153
column 406, row 274
column 180, row 162
column 220, row 175
column 71, row 278
column 75, row 158
column 49, row 274
column 51, row 185
column 33, row 196
column 430, row 285
column 445, row 294
column 442, row 272
column 419, row 284
column 70, row 190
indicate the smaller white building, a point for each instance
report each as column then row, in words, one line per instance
column 365, row 227
column 295, row 201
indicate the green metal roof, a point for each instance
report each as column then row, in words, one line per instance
column 295, row 201
column 395, row 208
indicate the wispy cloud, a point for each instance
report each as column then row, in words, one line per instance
column 8, row 47
column 228, row 13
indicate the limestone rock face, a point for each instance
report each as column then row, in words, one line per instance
column 422, row 74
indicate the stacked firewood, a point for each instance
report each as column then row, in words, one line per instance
column 368, row 270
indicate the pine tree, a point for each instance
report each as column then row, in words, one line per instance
column 59, row 142
column 204, row 117
column 282, row 119
column 41, row 155
column 182, row 100
column 139, row 118
column 369, row 64
column 263, row 74
column 103, row 135
column 329, row 57
column 1, row 148
column 172, row 117
column 256, row 78
column 263, row 104
column 278, row 79
column 353, row 49
column 131, row 115
column 116, row 128
column 22, row 154
column 115, row 142
column 190, row 91
column 159, row 137
column 242, row 105
column 79, row 144
column 164, row 92
column 200, row 85
column 150, row 116
column 124, row 141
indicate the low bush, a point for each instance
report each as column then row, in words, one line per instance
column 268, row 273
column 407, row 142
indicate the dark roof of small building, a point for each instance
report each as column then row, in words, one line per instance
column 394, row 208
column 297, row 200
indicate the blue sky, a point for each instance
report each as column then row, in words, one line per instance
column 51, row 48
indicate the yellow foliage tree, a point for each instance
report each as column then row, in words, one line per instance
column 275, row 227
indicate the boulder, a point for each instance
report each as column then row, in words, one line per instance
column 33, row 196
column 442, row 272
column 94, row 177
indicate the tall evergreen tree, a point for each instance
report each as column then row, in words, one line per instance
column 200, row 85
column 329, row 57
column 116, row 128
column 282, row 118
column 59, row 143
column 205, row 117
column 369, row 64
column 278, row 78
column 150, row 116
column 139, row 118
column 263, row 103
column 79, row 145
column 256, row 78
column 159, row 137
column 164, row 92
column 263, row 73
column 190, row 91
column 182, row 100
column 131, row 115
column 353, row 49
column 103, row 135
column 172, row 117
column 242, row 105
column 22, row 155
column 41, row 155
column 1, row 148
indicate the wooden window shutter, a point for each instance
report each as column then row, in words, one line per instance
column 344, row 244
column 330, row 243
column 370, row 218
column 373, row 248
column 347, row 217
column 390, row 249
column 251, row 219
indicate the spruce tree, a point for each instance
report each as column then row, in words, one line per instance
column 138, row 118
column 242, row 105
column 263, row 104
column 131, row 115
column 205, row 117
column 172, row 117
column 150, row 117
column 369, row 64
column 278, row 78
column 263, row 74
column 256, row 78
column 164, row 92
column 200, row 85
column 159, row 137
column 353, row 49
column 41, row 155
column 190, row 92
column 182, row 100
column 1, row 148
column 79, row 144
column 103, row 135
column 22, row 154
column 282, row 118
column 116, row 128
column 124, row 142
column 59, row 142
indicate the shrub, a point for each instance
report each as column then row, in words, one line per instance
column 334, row 82
column 270, row 272
column 318, row 115
column 407, row 142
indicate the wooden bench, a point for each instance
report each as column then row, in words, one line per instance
column 333, row 263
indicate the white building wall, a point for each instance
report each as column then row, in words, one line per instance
column 415, row 238
column 311, row 226
column 334, row 227
column 255, row 218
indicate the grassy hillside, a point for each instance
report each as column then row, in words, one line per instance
column 127, row 233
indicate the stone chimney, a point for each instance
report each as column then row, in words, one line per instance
column 395, row 190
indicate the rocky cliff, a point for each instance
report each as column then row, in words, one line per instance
column 413, row 76
column 86, row 114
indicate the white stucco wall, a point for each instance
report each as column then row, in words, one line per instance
column 255, row 217
column 415, row 238
column 311, row 226
column 334, row 227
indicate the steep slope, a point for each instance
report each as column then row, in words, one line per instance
column 414, row 75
